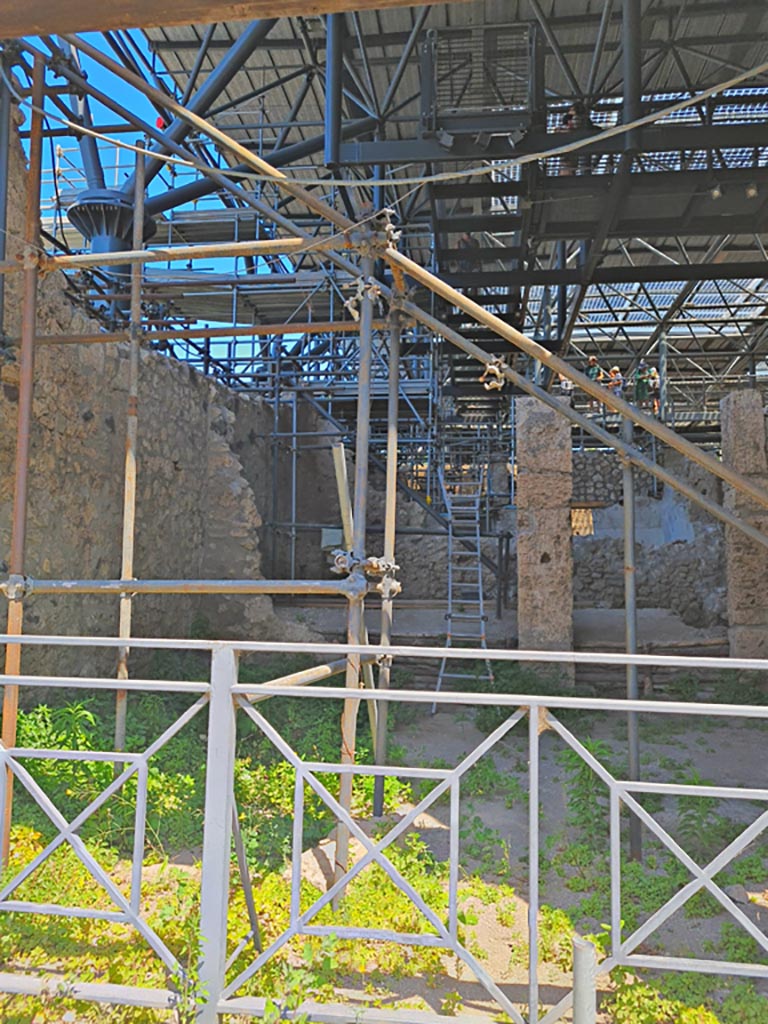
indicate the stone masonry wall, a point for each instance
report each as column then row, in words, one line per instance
column 745, row 449
column 203, row 486
column 686, row 578
column 597, row 477
column 680, row 550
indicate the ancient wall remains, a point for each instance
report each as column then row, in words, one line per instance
column 680, row 548
column 597, row 478
column 744, row 449
column 205, row 482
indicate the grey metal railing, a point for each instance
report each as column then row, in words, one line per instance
column 227, row 699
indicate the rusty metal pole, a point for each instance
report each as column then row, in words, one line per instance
column 131, row 440
column 356, row 612
column 390, row 512
column 24, row 426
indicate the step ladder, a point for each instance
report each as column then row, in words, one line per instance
column 465, row 617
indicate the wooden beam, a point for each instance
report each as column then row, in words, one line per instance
column 42, row 17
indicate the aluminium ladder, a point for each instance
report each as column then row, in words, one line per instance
column 465, row 616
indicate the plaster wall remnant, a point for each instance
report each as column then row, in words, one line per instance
column 544, row 558
column 743, row 426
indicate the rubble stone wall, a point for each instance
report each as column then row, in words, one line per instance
column 204, row 480
column 745, row 449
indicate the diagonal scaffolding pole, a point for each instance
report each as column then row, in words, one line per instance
column 559, row 366
column 24, row 426
column 131, row 443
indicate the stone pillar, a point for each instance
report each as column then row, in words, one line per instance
column 544, row 558
column 746, row 564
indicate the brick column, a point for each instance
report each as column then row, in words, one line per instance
column 544, row 559
column 743, row 429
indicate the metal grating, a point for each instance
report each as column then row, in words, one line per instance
column 484, row 69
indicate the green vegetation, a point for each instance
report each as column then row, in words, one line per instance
column 577, row 860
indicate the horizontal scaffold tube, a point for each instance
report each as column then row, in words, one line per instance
column 181, row 334
column 352, row 586
column 263, row 247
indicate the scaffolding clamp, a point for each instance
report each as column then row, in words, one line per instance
column 17, row 587
column 384, row 660
column 31, row 258
column 373, row 566
column 492, row 378
column 369, row 288
column 388, row 587
column 344, row 562
column 386, row 225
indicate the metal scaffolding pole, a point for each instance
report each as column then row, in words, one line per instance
column 356, row 609
column 131, row 444
column 390, row 510
column 187, row 253
column 16, row 587
column 5, row 148
column 589, row 426
column 24, row 427
column 630, row 624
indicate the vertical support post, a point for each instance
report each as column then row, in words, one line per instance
column 562, row 296
column 356, row 610
column 131, row 444
column 5, row 146
column 428, row 68
column 217, row 835
column 630, row 623
column 537, row 96
column 632, row 64
column 584, row 990
column 276, row 371
column 534, row 714
column 663, row 378
column 294, row 471
column 390, row 510
column 23, row 432
column 334, row 54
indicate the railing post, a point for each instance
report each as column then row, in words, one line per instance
column 217, row 835
column 584, row 988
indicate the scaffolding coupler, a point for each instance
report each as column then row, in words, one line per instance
column 492, row 378
column 17, row 587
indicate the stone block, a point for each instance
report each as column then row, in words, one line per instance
column 748, row 642
column 742, row 424
column 544, row 579
column 543, row 490
column 542, row 438
column 746, row 571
